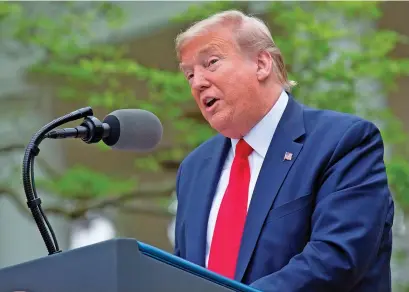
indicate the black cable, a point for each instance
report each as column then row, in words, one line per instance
column 56, row 247
column 33, row 201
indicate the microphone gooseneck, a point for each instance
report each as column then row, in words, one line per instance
column 127, row 129
column 33, row 201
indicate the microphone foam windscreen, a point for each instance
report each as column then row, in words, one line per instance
column 133, row 129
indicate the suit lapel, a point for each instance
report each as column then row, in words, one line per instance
column 270, row 179
column 202, row 197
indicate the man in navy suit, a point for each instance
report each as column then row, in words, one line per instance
column 285, row 197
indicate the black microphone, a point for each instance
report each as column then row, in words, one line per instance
column 124, row 129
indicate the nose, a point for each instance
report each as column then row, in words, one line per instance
column 199, row 81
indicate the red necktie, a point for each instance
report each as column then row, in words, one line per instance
column 232, row 214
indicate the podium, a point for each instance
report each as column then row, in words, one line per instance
column 117, row 265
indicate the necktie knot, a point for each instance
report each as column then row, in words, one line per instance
column 243, row 150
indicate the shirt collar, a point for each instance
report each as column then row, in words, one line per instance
column 260, row 135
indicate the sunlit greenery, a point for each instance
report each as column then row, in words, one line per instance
column 309, row 35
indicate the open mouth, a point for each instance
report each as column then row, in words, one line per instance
column 209, row 102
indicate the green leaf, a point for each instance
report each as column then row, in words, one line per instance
column 81, row 182
column 310, row 36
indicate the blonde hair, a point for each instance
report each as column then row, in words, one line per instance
column 251, row 34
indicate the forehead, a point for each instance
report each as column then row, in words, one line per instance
column 215, row 42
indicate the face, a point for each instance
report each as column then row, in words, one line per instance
column 224, row 82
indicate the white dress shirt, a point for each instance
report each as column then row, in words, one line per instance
column 259, row 139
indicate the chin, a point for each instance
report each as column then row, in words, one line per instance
column 225, row 129
column 223, row 124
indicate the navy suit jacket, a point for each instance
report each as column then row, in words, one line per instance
column 318, row 222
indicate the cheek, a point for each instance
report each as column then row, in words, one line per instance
column 234, row 87
column 196, row 96
column 242, row 90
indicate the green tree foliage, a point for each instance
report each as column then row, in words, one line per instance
column 310, row 35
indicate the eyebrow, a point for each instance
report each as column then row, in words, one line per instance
column 207, row 50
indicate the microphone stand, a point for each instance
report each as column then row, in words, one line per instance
column 33, row 201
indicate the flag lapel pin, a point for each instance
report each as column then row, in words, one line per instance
column 288, row 156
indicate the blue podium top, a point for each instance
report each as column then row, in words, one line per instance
column 180, row 263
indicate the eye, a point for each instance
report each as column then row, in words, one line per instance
column 189, row 76
column 213, row 61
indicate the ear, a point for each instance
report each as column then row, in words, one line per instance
column 264, row 65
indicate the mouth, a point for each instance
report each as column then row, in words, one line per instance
column 210, row 102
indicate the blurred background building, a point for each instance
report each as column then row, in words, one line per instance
column 26, row 104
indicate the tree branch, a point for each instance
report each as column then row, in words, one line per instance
column 80, row 207
column 12, row 147
column 80, row 211
column 146, row 192
column 147, row 209
column 155, row 189
column 14, row 196
column 49, row 170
